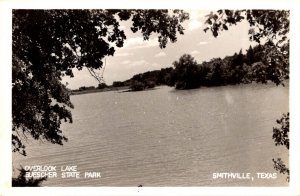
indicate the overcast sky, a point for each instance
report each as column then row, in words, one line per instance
column 137, row 56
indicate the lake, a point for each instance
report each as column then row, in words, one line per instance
column 167, row 137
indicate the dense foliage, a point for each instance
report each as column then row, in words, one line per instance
column 281, row 137
column 235, row 69
column 186, row 74
column 22, row 180
column 270, row 25
column 137, row 85
column 146, row 80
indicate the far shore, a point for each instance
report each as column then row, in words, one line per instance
column 124, row 89
column 77, row 92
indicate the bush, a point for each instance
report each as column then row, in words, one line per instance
column 186, row 73
column 22, row 181
column 137, row 86
column 102, row 86
column 118, row 84
column 150, row 84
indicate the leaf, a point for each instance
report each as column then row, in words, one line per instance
column 225, row 27
column 228, row 12
column 215, row 17
column 215, row 33
column 205, row 29
column 208, row 21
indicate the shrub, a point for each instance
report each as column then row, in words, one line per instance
column 137, row 86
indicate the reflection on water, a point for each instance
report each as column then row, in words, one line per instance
column 166, row 137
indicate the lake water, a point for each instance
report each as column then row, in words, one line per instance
column 167, row 137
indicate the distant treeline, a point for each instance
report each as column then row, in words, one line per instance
column 235, row 69
column 146, row 80
column 87, row 88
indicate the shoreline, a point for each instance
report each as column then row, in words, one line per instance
column 98, row 90
column 127, row 88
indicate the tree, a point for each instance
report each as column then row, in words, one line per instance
column 150, row 84
column 216, row 78
column 186, row 72
column 266, row 26
column 22, row 180
column 137, row 85
column 281, row 137
column 118, row 84
column 49, row 44
column 237, row 63
column 250, row 56
column 102, row 85
column 238, row 59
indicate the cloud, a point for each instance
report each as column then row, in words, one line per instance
column 122, row 27
column 202, row 43
column 123, row 54
column 130, row 64
column 139, row 62
column 155, row 65
column 125, row 62
column 194, row 24
column 195, row 52
column 195, row 20
column 139, row 42
column 160, row 54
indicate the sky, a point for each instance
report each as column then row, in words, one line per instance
column 138, row 56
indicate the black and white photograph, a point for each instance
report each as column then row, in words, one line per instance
column 150, row 97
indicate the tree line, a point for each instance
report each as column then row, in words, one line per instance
column 235, row 69
column 146, row 80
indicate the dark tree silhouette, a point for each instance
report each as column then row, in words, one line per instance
column 137, row 85
column 281, row 137
column 231, row 70
column 250, row 56
column 22, row 180
column 216, row 76
column 186, row 72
